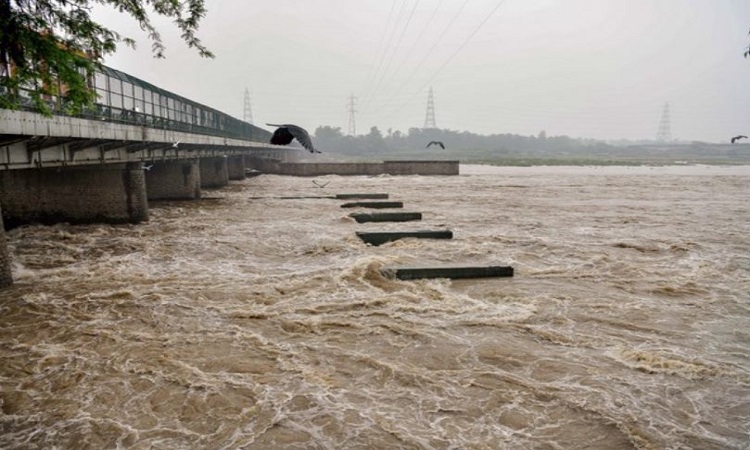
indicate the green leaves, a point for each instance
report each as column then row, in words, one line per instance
column 50, row 48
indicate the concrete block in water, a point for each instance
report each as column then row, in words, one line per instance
column 374, row 205
column 362, row 196
column 386, row 217
column 415, row 273
column 377, row 238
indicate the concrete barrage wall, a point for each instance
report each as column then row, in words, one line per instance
column 420, row 167
column 329, row 168
column 265, row 165
column 353, row 168
column 81, row 194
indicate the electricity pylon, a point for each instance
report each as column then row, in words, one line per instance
column 352, row 111
column 247, row 112
column 664, row 134
column 429, row 119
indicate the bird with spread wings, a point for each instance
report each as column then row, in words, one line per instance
column 436, row 143
column 285, row 133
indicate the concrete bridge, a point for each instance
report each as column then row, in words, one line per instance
column 80, row 170
column 138, row 143
column 105, row 165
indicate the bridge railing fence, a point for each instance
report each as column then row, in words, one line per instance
column 125, row 99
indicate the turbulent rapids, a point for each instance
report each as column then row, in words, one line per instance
column 247, row 320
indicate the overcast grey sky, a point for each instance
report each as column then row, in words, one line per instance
column 598, row 69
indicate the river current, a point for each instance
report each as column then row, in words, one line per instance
column 252, row 320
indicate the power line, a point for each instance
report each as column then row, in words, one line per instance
column 387, row 45
column 419, row 37
column 458, row 50
column 372, row 73
column 429, row 52
column 395, row 51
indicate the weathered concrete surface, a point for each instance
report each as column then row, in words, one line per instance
column 420, row 167
column 214, row 172
column 377, row 238
column 173, row 180
column 415, row 273
column 109, row 193
column 262, row 165
column 361, row 196
column 6, row 278
column 267, row 161
column 236, row 167
column 311, row 169
column 373, row 205
column 386, row 217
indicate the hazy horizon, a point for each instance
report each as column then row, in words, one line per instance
column 589, row 69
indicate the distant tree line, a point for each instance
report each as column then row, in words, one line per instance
column 520, row 150
column 393, row 141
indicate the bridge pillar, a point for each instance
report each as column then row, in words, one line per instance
column 6, row 278
column 236, row 167
column 173, row 180
column 109, row 193
column 265, row 165
column 214, row 172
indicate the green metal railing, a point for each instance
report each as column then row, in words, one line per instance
column 126, row 99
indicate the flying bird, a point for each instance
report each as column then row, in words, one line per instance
column 738, row 137
column 175, row 144
column 148, row 167
column 285, row 133
column 436, row 143
column 320, row 185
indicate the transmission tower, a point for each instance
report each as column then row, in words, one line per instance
column 247, row 113
column 664, row 134
column 429, row 119
column 352, row 111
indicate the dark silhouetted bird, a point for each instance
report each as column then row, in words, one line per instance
column 285, row 133
column 320, row 185
column 436, row 143
column 738, row 137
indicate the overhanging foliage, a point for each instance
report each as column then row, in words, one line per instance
column 49, row 48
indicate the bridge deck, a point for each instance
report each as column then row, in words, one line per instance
column 30, row 140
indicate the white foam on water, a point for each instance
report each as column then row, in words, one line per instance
column 245, row 322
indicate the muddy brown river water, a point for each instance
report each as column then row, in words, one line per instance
column 248, row 321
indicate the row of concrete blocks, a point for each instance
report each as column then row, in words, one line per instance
column 413, row 273
column 109, row 193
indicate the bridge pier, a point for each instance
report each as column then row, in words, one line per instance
column 265, row 165
column 236, row 167
column 6, row 279
column 109, row 193
column 173, row 180
column 214, row 172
